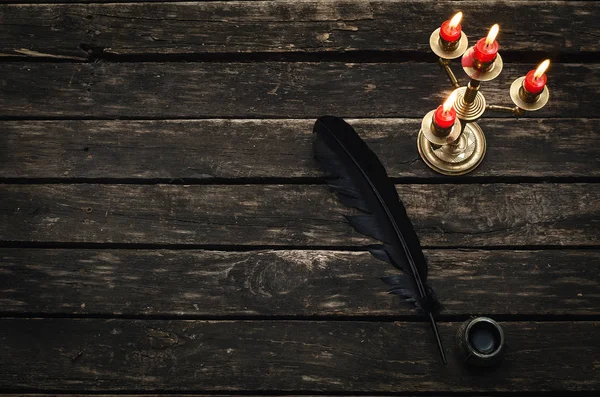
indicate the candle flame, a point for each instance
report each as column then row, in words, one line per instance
column 492, row 34
column 541, row 69
column 449, row 102
column 455, row 21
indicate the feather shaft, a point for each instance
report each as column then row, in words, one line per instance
column 438, row 338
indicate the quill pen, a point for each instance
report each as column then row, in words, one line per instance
column 360, row 181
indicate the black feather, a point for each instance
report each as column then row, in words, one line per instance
column 357, row 176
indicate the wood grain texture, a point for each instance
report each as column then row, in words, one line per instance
column 180, row 1
column 290, row 283
column 155, row 395
column 255, row 90
column 208, row 149
column 297, row 215
column 111, row 355
column 88, row 310
column 175, row 394
column 286, row 27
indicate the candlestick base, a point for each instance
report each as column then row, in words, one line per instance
column 468, row 111
column 468, row 63
column 515, row 95
column 458, row 158
column 439, row 50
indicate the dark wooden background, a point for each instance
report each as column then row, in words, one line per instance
column 164, row 228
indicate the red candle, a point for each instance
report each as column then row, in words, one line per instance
column 445, row 115
column 486, row 49
column 451, row 29
column 535, row 81
column 444, row 119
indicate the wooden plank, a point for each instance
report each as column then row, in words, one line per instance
column 290, row 283
column 295, row 215
column 286, row 27
column 107, row 355
column 175, row 394
column 208, row 149
column 177, row 1
column 255, row 90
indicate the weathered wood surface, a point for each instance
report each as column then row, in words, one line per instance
column 298, row 215
column 283, row 248
column 291, row 283
column 197, row 1
column 148, row 394
column 108, row 355
column 270, row 89
column 286, row 27
column 208, row 149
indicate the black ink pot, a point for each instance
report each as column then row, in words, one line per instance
column 481, row 342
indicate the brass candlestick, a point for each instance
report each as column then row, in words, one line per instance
column 459, row 154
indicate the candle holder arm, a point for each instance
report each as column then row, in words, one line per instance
column 445, row 64
column 517, row 111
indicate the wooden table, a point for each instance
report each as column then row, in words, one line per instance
column 165, row 229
